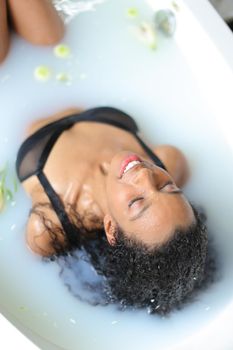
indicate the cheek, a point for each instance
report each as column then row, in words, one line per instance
column 117, row 197
column 180, row 212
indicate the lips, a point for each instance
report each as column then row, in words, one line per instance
column 126, row 161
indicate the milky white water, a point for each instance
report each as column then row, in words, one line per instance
column 170, row 95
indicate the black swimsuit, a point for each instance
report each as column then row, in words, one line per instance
column 34, row 152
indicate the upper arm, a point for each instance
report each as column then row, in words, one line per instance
column 39, row 123
column 43, row 226
column 37, row 237
column 175, row 162
column 43, row 230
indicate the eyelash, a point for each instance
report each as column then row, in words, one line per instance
column 140, row 198
column 134, row 200
column 166, row 184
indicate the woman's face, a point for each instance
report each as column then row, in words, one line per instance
column 144, row 201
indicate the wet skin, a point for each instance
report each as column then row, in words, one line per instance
column 84, row 169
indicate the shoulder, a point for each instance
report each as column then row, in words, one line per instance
column 175, row 162
column 39, row 123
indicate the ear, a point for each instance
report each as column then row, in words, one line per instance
column 110, row 228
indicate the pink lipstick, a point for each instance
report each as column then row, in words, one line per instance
column 126, row 162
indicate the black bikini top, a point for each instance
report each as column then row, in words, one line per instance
column 34, row 152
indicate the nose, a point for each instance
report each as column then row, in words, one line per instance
column 146, row 179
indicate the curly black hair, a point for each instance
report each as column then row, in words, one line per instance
column 159, row 279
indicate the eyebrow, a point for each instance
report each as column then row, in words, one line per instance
column 139, row 214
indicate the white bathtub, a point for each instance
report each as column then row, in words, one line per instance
column 179, row 94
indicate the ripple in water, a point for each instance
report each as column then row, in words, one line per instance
column 81, row 278
column 69, row 9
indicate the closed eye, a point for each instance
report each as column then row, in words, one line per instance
column 166, row 184
column 134, row 200
column 170, row 188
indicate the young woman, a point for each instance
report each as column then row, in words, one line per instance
column 91, row 178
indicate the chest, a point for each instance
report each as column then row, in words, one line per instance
column 79, row 152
